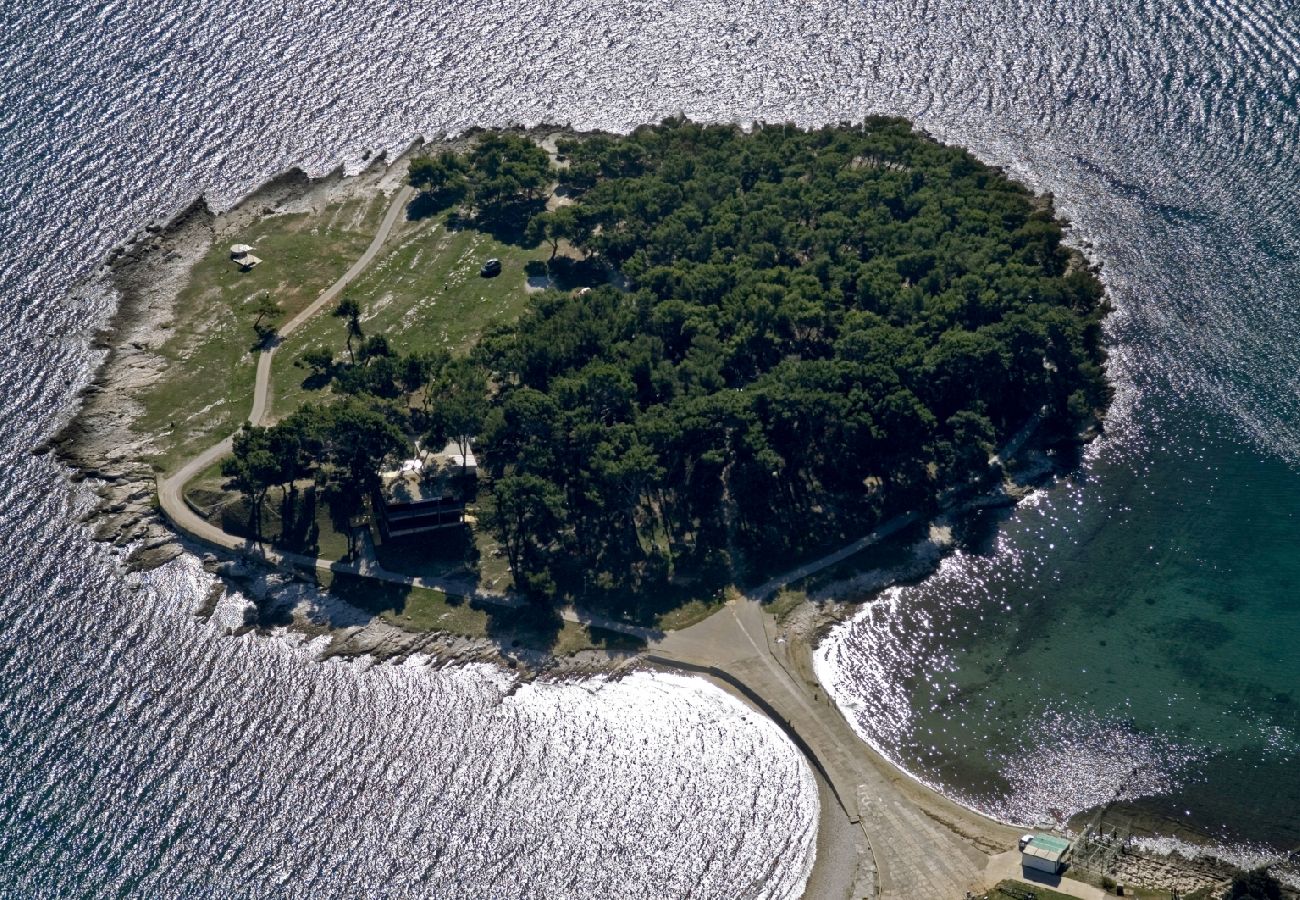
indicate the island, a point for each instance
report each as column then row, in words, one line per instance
column 574, row 401
column 630, row 372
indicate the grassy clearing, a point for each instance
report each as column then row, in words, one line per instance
column 425, row 610
column 424, row 292
column 418, row 610
column 786, row 602
column 208, row 388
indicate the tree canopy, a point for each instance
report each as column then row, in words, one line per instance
column 802, row 333
column 1255, row 885
column 502, row 177
column 818, row 328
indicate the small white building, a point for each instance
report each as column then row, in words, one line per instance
column 243, row 255
column 1044, row 853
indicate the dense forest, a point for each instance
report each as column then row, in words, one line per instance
column 787, row 335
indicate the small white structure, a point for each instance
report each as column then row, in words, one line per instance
column 466, row 464
column 243, row 254
column 1044, row 853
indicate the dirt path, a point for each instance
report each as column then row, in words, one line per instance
column 171, row 488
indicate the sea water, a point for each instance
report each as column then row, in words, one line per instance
column 1126, row 636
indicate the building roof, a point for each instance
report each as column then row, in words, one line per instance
column 1047, row 846
column 239, row 249
column 411, row 487
column 247, row 261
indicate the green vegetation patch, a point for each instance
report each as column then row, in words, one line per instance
column 785, row 602
column 424, row 293
column 818, row 330
column 208, row 388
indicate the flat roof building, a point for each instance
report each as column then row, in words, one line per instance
column 1044, row 853
column 421, row 496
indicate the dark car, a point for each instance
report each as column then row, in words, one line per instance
column 491, row 268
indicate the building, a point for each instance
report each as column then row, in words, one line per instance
column 243, row 255
column 1044, row 853
column 421, row 496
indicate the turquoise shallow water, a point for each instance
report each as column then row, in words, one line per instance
column 1127, row 639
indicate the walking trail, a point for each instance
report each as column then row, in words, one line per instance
column 879, row 834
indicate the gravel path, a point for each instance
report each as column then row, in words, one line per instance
column 171, row 489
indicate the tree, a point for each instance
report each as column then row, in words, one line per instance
column 440, row 176
column 557, row 225
column 375, row 347
column 1254, row 885
column 505, row 172
column 524, row 514
column 265, row 308
column 458, row 405
column 819, row 329
column 359, row 436
column 350, row 311
column 254, row 468
column 320, row 361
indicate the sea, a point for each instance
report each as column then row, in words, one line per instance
column 1123, row 641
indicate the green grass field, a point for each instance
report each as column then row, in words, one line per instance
column 423, row 292
column 208, row 389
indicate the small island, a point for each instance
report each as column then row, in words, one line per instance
column 622, row 374
column 557, row 399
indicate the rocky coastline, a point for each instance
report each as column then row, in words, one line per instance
column 101, row 446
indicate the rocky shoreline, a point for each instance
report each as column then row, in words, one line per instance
column 101, row 446
column 147, row 273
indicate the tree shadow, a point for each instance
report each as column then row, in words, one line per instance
column 299, row 527
column 369, row 594
column 289, row 521
column 445, row 552
column 508, row 223
column 569, row 274
column 531, row 626
column 427, row 204
column 317, row 380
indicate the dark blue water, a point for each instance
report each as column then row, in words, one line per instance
column 143, row 754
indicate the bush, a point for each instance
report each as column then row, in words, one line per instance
column 1256, row 885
